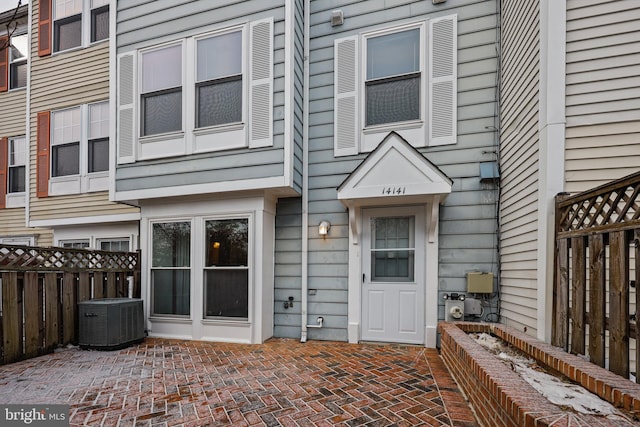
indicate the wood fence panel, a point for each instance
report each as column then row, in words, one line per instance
column 32, row 315
column 123, row 285
column 111, row 285
column 578, row 294
column 619, row 304
column 51, row 312
column 561, row 295
column 11, row 318
column 137, row 284
column 84, row 286
column 98, row 285
column 69, row 308
column 597, row 299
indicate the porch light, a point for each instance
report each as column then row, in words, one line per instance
column 323, row 228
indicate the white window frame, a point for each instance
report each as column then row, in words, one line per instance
column 18, row 240
column 101, row 240
column 18, row 61
column 412, row 129
column 16, row 199
column 192, row 139
column 86, row 9
column 83, row 181
column 62, row 243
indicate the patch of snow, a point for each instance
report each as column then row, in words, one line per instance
column 553, row 388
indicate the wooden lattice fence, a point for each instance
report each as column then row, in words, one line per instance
column 597, row 266
column 41, row 289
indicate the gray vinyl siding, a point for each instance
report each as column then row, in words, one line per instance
column 147, row 23
column 519, row 137
column 467, row 237
column 602, row 92
column 298, row 100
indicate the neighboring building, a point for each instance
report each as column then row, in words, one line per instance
column 14, row 152
column 233, row 176
column 69, row 128
column 207, row 100
column 570, row 120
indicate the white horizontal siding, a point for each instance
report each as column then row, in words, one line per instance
column 519, row 163
column 603, row 92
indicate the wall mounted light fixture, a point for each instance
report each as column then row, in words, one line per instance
column 323, row 228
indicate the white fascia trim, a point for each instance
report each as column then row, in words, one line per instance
column 27, row 122
column 208, row 188
column 551, row 162
column 85, row 220
column 289, row 72
column 113, row 6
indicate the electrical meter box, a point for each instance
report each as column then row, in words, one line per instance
column 479, row 283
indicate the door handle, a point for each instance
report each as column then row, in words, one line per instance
column 362, row 277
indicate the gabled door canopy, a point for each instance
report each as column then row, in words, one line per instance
column 394, row 173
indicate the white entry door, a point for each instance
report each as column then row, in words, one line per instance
column 393, row 279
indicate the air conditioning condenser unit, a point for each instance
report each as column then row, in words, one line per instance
column 110, row 323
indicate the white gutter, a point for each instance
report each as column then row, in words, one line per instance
column 304, row 285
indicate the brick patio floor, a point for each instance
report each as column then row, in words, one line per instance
column 280, row 383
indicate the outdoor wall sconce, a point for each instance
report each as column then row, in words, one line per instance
column 323, row 228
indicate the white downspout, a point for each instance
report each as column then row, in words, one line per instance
column 304, row 285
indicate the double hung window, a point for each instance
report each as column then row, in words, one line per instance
column 18, row 61
column 17, row 162
column 98, row 139
column 65, row 143
column 219, row 79
column 162, row 90
column 68, row 28
column 393, row 78
column 226, row 269
column 171, row 269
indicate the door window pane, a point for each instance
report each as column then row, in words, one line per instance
column 226, row 273
column 393, row 249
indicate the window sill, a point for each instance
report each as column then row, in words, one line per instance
column 226, row 321
column 169, row 318
column 15, row 200
column 219, row 129
column 17, row 89
column 160, row 137
column 409, row 124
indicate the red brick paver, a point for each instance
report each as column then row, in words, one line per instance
column 280, row 383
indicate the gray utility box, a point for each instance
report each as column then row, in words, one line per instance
column 110, row 323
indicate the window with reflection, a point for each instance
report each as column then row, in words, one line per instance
column 226, row 274
column 171, row 269
column 393, row 249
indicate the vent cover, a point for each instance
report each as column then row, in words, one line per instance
column 110, row 323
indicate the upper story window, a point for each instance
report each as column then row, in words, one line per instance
column 393, row 77
column 209, row 92
column 161, row 97
column 400, row 79
column 17, row 162
column 219, row 79
column 18, row 61
column 68, row 28
column 73, row 150
column 65, row 142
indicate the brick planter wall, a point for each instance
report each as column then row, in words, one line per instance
column 501, row 397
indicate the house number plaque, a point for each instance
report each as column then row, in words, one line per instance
column 390, row 191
